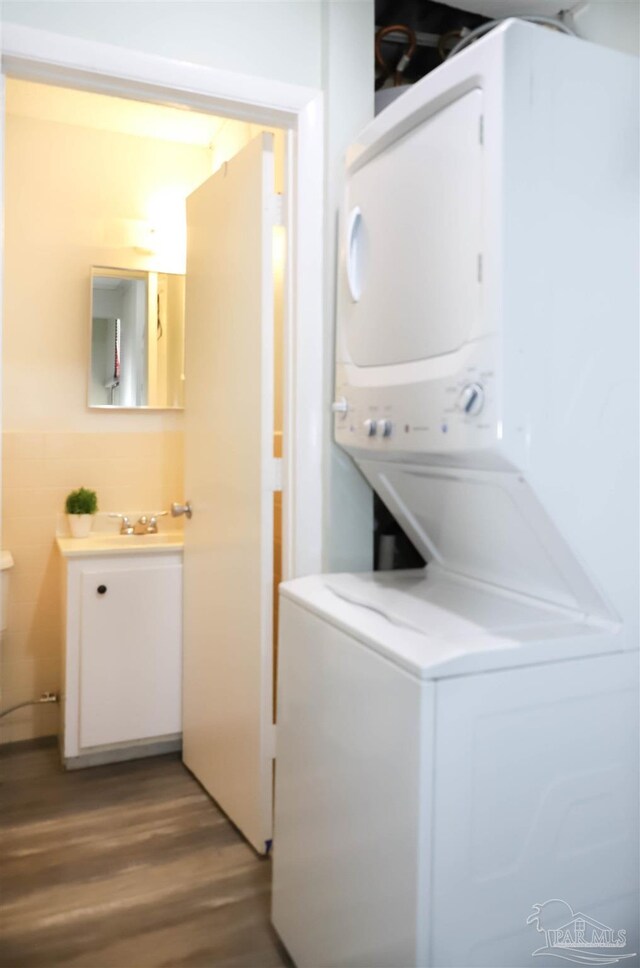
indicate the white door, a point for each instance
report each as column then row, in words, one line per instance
column 229, row 481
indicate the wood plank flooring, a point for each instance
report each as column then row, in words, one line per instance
column 125, row 866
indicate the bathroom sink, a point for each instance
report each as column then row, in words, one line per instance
column 107, row 543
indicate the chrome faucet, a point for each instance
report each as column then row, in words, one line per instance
column 125, row 524
column 146, row 524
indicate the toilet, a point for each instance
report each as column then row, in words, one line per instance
column 6, row 564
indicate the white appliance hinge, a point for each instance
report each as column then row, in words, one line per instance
column 479, row 266
column 277, row 209
column 481, row 129
column 276, row 474
column 271, row 741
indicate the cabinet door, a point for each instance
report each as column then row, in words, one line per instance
column 130, row 653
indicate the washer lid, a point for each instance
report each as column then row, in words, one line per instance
column 436, row 625
column 489, row 527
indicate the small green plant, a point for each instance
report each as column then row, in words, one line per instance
column 82, row 501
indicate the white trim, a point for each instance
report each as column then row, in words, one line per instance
column 2, row 111
column 303, row 401
column 38, row 55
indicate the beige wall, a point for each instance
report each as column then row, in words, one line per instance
column 74, row 199
column 129, row 471
column 72, row 195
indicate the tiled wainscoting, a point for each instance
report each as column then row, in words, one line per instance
column 130, row 471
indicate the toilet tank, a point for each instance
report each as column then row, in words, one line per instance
column 6, row 564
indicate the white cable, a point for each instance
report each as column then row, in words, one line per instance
column 47, row 697
column 485, row 28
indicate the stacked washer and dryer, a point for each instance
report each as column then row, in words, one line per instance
column 457, row 746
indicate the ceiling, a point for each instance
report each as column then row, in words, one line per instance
column 509, row 8
column 67, row 106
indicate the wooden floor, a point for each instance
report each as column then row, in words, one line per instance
column 125, row 866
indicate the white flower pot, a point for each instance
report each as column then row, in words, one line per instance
column 80, row 525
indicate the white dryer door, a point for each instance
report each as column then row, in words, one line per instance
column 412, row 241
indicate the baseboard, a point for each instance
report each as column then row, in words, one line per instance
column 120, row 754
column 24, row 745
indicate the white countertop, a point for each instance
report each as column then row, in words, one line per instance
column 103, row 543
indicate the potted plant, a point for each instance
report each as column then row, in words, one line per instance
column 80, row 506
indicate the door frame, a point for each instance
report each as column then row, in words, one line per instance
column 50, row 58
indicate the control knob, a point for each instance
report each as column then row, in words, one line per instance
column 471, row 399
column 385, row 427
column 340, row 407
column 370, row 427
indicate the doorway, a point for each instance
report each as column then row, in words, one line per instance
column 301, row 374
column 105, row 232
column 94, row 181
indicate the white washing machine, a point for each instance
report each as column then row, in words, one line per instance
column 456, row 779
column 447, row 758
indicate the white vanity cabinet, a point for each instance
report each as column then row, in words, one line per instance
column 123, row 652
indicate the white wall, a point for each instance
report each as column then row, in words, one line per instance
column 612, row 23
column 268, row 38
column 348, row 79
column 106, row 308
column 102, row 330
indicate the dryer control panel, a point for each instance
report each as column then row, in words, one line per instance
column 437, row 414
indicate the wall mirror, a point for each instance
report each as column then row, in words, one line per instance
column 137, row 340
